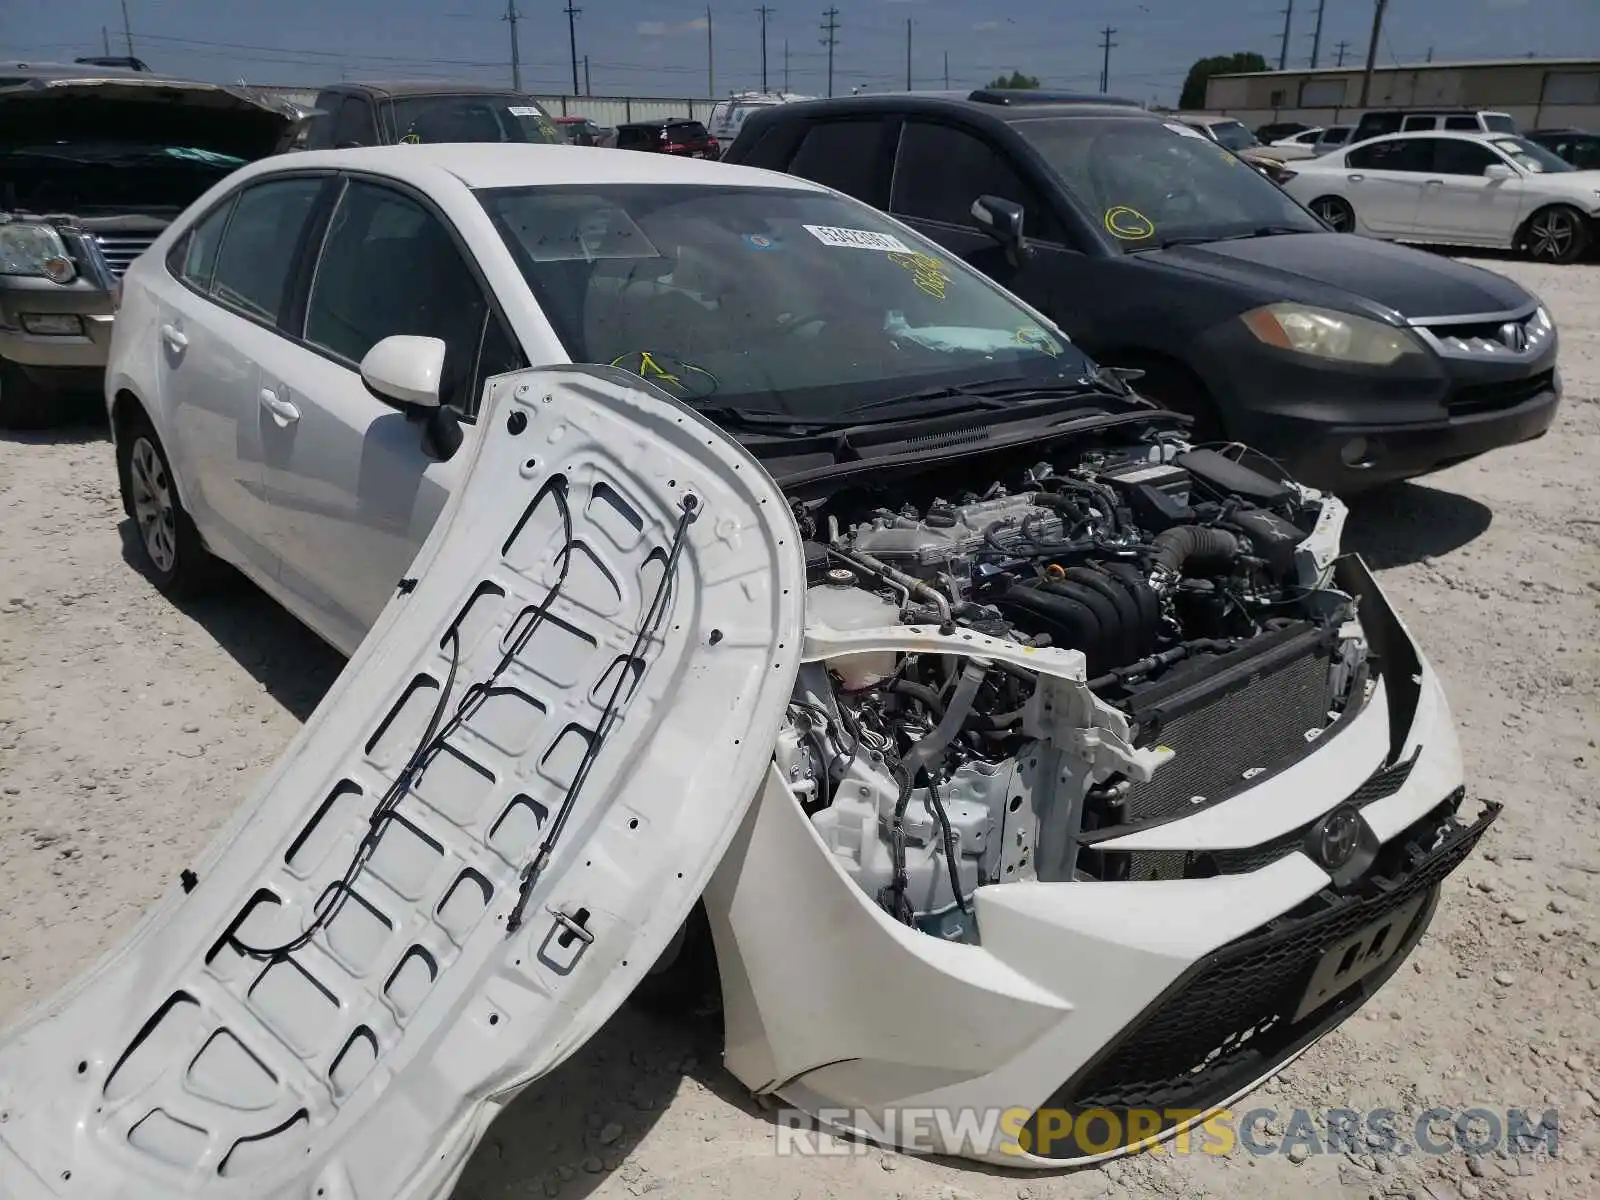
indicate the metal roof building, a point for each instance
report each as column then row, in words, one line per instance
column 1537, row 92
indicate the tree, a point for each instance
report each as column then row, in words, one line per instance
column 1194, row 87
column 1015, row 80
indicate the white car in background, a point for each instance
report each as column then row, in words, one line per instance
column 1294, row 147
column 1495, row 190
column 1027, row 757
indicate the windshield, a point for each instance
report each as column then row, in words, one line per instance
column 1150, row 183
column 475, row 118
column 765, row 300
column 1531, row 156
column 1233, row 135
column 1499, row 123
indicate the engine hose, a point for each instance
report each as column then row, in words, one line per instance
column 1196, row 546
column 937, row 805
column 923, row 694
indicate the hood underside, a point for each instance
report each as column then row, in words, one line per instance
column 208, row 116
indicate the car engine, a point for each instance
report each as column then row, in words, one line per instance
column 1194, row 583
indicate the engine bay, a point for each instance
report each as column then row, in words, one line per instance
column 1195, row 584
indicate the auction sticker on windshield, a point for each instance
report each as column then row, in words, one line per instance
column 522, row 110
column 857, row 239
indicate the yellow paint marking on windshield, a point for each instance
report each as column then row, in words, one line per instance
column 648, row 368
column 927, row 272
column 1030, row 335
column 692, row 381
column 1129, row 224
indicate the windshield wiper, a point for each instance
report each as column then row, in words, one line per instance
column 992, row 394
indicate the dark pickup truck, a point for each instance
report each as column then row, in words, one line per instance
column 384, row 114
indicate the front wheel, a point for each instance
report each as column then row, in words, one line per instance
column 1557, row 234
column 169, row 543
column 1336, row 212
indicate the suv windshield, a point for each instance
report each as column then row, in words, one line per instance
column 1531, row 156
column 1233, row 135
column 475, row 118
column 766, row 300
column 1151, row 183
column 1499, row 123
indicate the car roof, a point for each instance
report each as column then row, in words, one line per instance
column 52, row 70
column 422, row 87
column 1020, row 105
column 1564, row 131
column 1465, row 135
column 500, row 164
column 653, row 122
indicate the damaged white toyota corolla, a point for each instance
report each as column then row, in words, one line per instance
column 1033, row 763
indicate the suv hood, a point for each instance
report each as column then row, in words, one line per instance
column 175, row 112
column 1350, row 273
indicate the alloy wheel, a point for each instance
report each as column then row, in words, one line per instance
column 154, row 509
column 1550, row 236
column 1336, row 213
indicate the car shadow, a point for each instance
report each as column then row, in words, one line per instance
column 1404, row 523
column 292, row 664
column 86, row 423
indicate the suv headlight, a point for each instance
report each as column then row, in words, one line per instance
column 1323, row 333
column 28, row 248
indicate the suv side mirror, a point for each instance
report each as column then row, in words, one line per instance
column 1498, row 172
column 1002, row 220
column 405, row 370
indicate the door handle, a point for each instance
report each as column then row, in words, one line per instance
column 283, row 411
column 174, row 337
column 1435, row 183
column 1355, row 178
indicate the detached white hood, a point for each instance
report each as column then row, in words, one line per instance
column 365, row 1063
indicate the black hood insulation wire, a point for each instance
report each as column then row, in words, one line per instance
column 434, row 736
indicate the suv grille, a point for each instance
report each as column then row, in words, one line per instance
column 1495, row 397
column 120, row 251
column 1231, row 1018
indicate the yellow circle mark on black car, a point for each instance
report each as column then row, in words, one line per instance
column 1129, row 224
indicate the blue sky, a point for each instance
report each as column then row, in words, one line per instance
column 658, row 47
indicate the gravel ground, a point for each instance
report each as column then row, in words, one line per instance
column 130, row 728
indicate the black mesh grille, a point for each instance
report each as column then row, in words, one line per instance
column 1232, row 1017
column 1259, row 727
column 1200, row 864
column 1492, row 397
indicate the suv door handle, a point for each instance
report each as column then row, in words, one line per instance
column 174, row 337
column 283, row 411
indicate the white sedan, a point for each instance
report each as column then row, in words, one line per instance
column 699, row 531
column 1494, row 190
column 1294, row 147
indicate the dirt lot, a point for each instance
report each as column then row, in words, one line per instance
column 129, row 730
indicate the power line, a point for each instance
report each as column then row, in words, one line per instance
column 516, row 65
column 763, row 10
column 1106, row 45
column 1316, row 35
column 831, row 28
column 572, row 41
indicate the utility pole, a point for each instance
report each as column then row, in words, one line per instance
column 105, row 40
column 127, row 29
column 1430, row 54
column 1106, row 45
column 908, row 54
column 711, row 60
column 572, row 41
column 763, row 10
column 1316, row 35
column 587, row 90
column 516, row 58
column 831, row 28
column 1283, row 46
column 947, row 70
column 1372, row 49
column 785, row 66
column 1341, row 48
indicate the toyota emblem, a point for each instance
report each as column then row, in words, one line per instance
column 1337, row 837
column 1514, row 337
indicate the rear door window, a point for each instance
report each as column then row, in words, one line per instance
column 194, row 258
column 940, row 170
column 1461, row 123
column 259, row 248
column 1404, row 154
column 1456, row 156
column 848, row 156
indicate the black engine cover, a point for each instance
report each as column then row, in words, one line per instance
column 1109, row 613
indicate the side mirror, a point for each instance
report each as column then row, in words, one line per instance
column 1002, row 220
column 1498, row 172
column 405, row 370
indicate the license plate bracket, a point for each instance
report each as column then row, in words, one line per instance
column 1352, row 958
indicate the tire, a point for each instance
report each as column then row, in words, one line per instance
column 169, row 544
column 683, row 984
column 1171, row 386
column 1556, row 234
column 26, row 405
column 1336, row 211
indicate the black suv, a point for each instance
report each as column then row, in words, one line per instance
column 669, row 135
column 1577, row 147
column 383, row 114
column 1353, row 361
